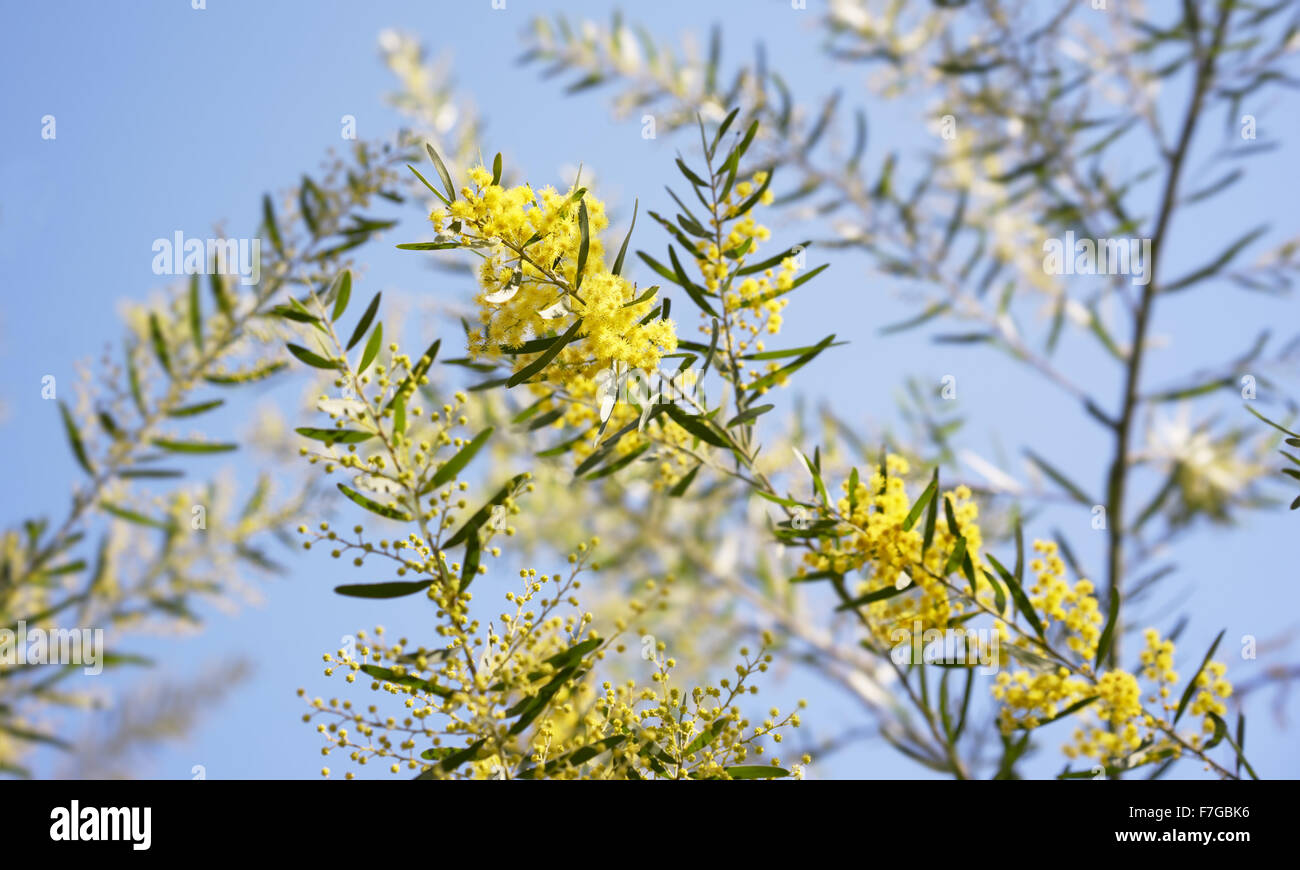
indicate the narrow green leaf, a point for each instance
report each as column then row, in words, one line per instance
column 174, row 446
column 74, row 439
column 679, row 488
column 334, row 436
column 1191, row 684
column 272, row 228
column 372, row 348
column 442, row 172
column 452, row 467
column 342, row 293
column 1061, row 480
column 749, row 415
column 545, row 358
column 364, row 323
column 931, row 516
column 1018, row 596
column 196, row 409
column 374, row 506
column 584, row 245
column 622, row 251
column 196, row 314
column 1112, row 616
column 396, row 589
column 756, row 771
column 159, row 344
column 309, row 358
column 915, row 513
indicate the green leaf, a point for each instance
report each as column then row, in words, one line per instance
column 1112, row 617
column 951, row 516
column 748, row 205
column 421, row 367
column 399, row 415
column 1217, row 264
column 756, row 771
column 455, row 760
column 452, row 467
column 1271, row 423
column 364, row 323
column 531, row 707
column 411, row 680
column 547, row 355
column 931, row 516
column 133, row 517
column 772, row 377
column 955, row 557
column 159, row 345
column 1060, row 479
column 291, row 313
column 74, row 439
column 396, row 589
column 149, row 473
column 312, row 359
column 1073, row 708
column 878, row 595
column 334, row 436
column 427, row 246
column 584, row 245
column 679, row 488
column 196, row 409
column 1191, row 684
column 618, row 464
column 576, row 758
column 272, row 228
column 690, row 176
column 246, row 377
column 374, row 506
column 1018, row 595
column 217, row 284
column 749, row 415
column 771, row 262
column 698, row 425
column 706, row 736
column 692, row 289
column 174, row 446
column 482, row 515
column 622, row 251
column 436, row 192
column 722, row 129
column 372, row 348
column 496, row 169
column 342, row 291
column 915, row 513
column 442, row 172
column 133, row 377
column 196, row 314
column 929, row 313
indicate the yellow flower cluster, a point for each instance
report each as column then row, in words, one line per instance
column 753, row 302
column 530, row 243
column 1055, row 599
column 871, row 540
column 1115, row 728
column 517, row 699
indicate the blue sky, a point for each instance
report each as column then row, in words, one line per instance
column 170, row 118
